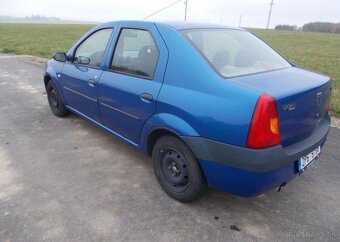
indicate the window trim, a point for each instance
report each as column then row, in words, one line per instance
column 87, row 37
column 185, row 35
column 131, row 74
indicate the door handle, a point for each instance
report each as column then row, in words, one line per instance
column 91, row 82
column 146, row 97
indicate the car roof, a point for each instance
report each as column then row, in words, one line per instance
column 182, row 25
column 178, row 25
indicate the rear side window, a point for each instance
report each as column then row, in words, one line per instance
column 91, row 51
column 235, row 52
column 136, row 53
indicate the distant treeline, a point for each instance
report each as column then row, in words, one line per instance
column 286, row 27
column 41, row 17
column 322, row 27
column 312, row 27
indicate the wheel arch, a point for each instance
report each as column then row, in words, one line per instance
column 49, row 77
column 162, row 124
column 156, row 135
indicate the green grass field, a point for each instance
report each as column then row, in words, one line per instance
column 315, row 51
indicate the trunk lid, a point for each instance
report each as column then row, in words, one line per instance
column 302, row 99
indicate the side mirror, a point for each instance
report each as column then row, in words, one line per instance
column 83, row 60
column 60, row 56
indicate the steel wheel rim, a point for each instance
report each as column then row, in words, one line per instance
column 174, row 170
column 53, row 98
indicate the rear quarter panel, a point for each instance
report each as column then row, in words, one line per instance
column 214, row 107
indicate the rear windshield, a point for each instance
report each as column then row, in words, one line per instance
column 235, row 52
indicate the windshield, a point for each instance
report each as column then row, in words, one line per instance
column 235, row 52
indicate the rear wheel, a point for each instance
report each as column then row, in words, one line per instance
column 177, row 169
column 54, row 100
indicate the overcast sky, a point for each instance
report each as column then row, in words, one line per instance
column 254, row 12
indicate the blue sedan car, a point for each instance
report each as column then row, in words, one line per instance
column 213, row 105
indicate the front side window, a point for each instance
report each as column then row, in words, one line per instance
column 91, row 51
column 136, row 53
column 235, row 52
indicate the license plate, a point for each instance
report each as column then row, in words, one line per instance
column 308, row 159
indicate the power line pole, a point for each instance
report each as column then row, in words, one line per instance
column 186, row 9
column 270, row 13
column 239, row 23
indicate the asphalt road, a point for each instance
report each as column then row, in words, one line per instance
column 65, row 179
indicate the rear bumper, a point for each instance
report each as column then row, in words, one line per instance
column 245, row 183
column 248, row 172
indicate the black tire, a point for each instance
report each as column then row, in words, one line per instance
column 54, row 100
column 177, row 169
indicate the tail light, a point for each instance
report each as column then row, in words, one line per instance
column 328, row 110
column 264, row 130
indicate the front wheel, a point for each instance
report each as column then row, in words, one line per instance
column 177, row 169
column 54, row 100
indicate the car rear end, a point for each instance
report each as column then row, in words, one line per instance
column 286, row 135
column 289, row 124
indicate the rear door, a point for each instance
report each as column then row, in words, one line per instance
column 80, row 77
column 128, row 90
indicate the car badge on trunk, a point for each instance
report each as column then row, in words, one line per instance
column 289, row 107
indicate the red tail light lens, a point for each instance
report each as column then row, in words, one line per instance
column 328, row 110
column 264, row 130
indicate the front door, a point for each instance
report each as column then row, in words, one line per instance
column 128, row 90
column 80, row 77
